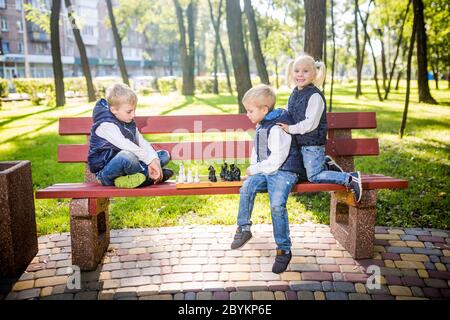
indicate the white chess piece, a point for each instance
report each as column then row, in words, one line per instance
column 189, row 178
column 196, row 178
column 181, row 175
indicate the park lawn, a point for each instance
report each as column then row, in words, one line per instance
column 422, row 157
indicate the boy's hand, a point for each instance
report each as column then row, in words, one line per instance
column 155, row 170
column 248, row 172
column 284, row 126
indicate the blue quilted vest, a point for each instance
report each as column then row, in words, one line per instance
column 297, row 104
column 294, row 161
column 102, row 151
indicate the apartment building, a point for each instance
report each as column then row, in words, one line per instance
column 20, row 48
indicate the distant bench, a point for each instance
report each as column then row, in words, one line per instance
column 351, row 224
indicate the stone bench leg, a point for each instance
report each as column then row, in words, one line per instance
column 89, row 231
column 353, row 226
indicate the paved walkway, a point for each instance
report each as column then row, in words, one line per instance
column 195, row 263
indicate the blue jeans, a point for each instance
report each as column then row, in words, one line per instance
column 126, row 163
column 314, row 162
column 278, row 185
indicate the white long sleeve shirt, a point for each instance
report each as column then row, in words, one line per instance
column 111, row 132
column 279, row 144
column 313, row 114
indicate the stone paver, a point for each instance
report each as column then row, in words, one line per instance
column 195, row 263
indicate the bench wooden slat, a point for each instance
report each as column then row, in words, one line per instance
column 92, row 190
column 225, row 150
column 202, row 123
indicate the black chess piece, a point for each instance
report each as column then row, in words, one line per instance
column 237, row 174
column 232, row 172
column 228, row 176
column 212, row 174
column 224, row 171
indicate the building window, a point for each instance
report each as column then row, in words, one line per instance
column 4, row 24
column 20, row 47
column 19, row 26
column 88, row 30
column 3, row 4
column 5, row 47
column 19, row 4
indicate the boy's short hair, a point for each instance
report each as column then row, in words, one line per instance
column 263, row 94
column 119, row 93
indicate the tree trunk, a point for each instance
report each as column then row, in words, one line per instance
column 333, row 60
column 399, row 76
column 82, row 49
column 256, row 46
column 238, row 54
column 397, row 51
column 358, row 55
column 216, row 25
column 216, row 82
column 187, row 51
column 422, row 62
column 373, row 56
column 383, row 61
column 56, row 54
column 315, row 22
column 118, row 43
column 408, row 76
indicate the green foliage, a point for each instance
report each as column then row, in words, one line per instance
column 39, row 15
column 204, row 84
column 437, row 16
column 39, row 90
column 75, row 86
column 101, row 84
column 4, row 88
column 167, row 84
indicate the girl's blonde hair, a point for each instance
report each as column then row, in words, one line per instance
column 318, row 67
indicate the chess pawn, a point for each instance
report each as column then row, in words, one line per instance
column 223, row 172
column 180, row 178
column 232, row 172
column 212, row 174
column 189, row 178
column 196, row 178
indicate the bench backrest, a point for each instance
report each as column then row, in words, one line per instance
column 340, row 143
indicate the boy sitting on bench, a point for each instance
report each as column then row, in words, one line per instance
column 118, row 153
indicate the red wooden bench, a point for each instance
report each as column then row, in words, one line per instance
column 351, row 224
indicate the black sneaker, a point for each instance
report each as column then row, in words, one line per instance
column 332, row 165
column 281, row 261
column 167, row 174
column 240, row 238
column 356, row 185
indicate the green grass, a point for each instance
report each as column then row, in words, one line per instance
column 422, row 157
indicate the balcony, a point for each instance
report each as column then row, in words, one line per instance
column 37, row 36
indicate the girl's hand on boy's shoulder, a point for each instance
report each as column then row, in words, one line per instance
column 284, row 126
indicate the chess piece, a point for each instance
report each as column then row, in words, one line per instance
column 181, row 174
column 235, row 173
column 196, row 178
column 224, row 171
column 189, row 178
column 212, row 174
column 228, row 176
